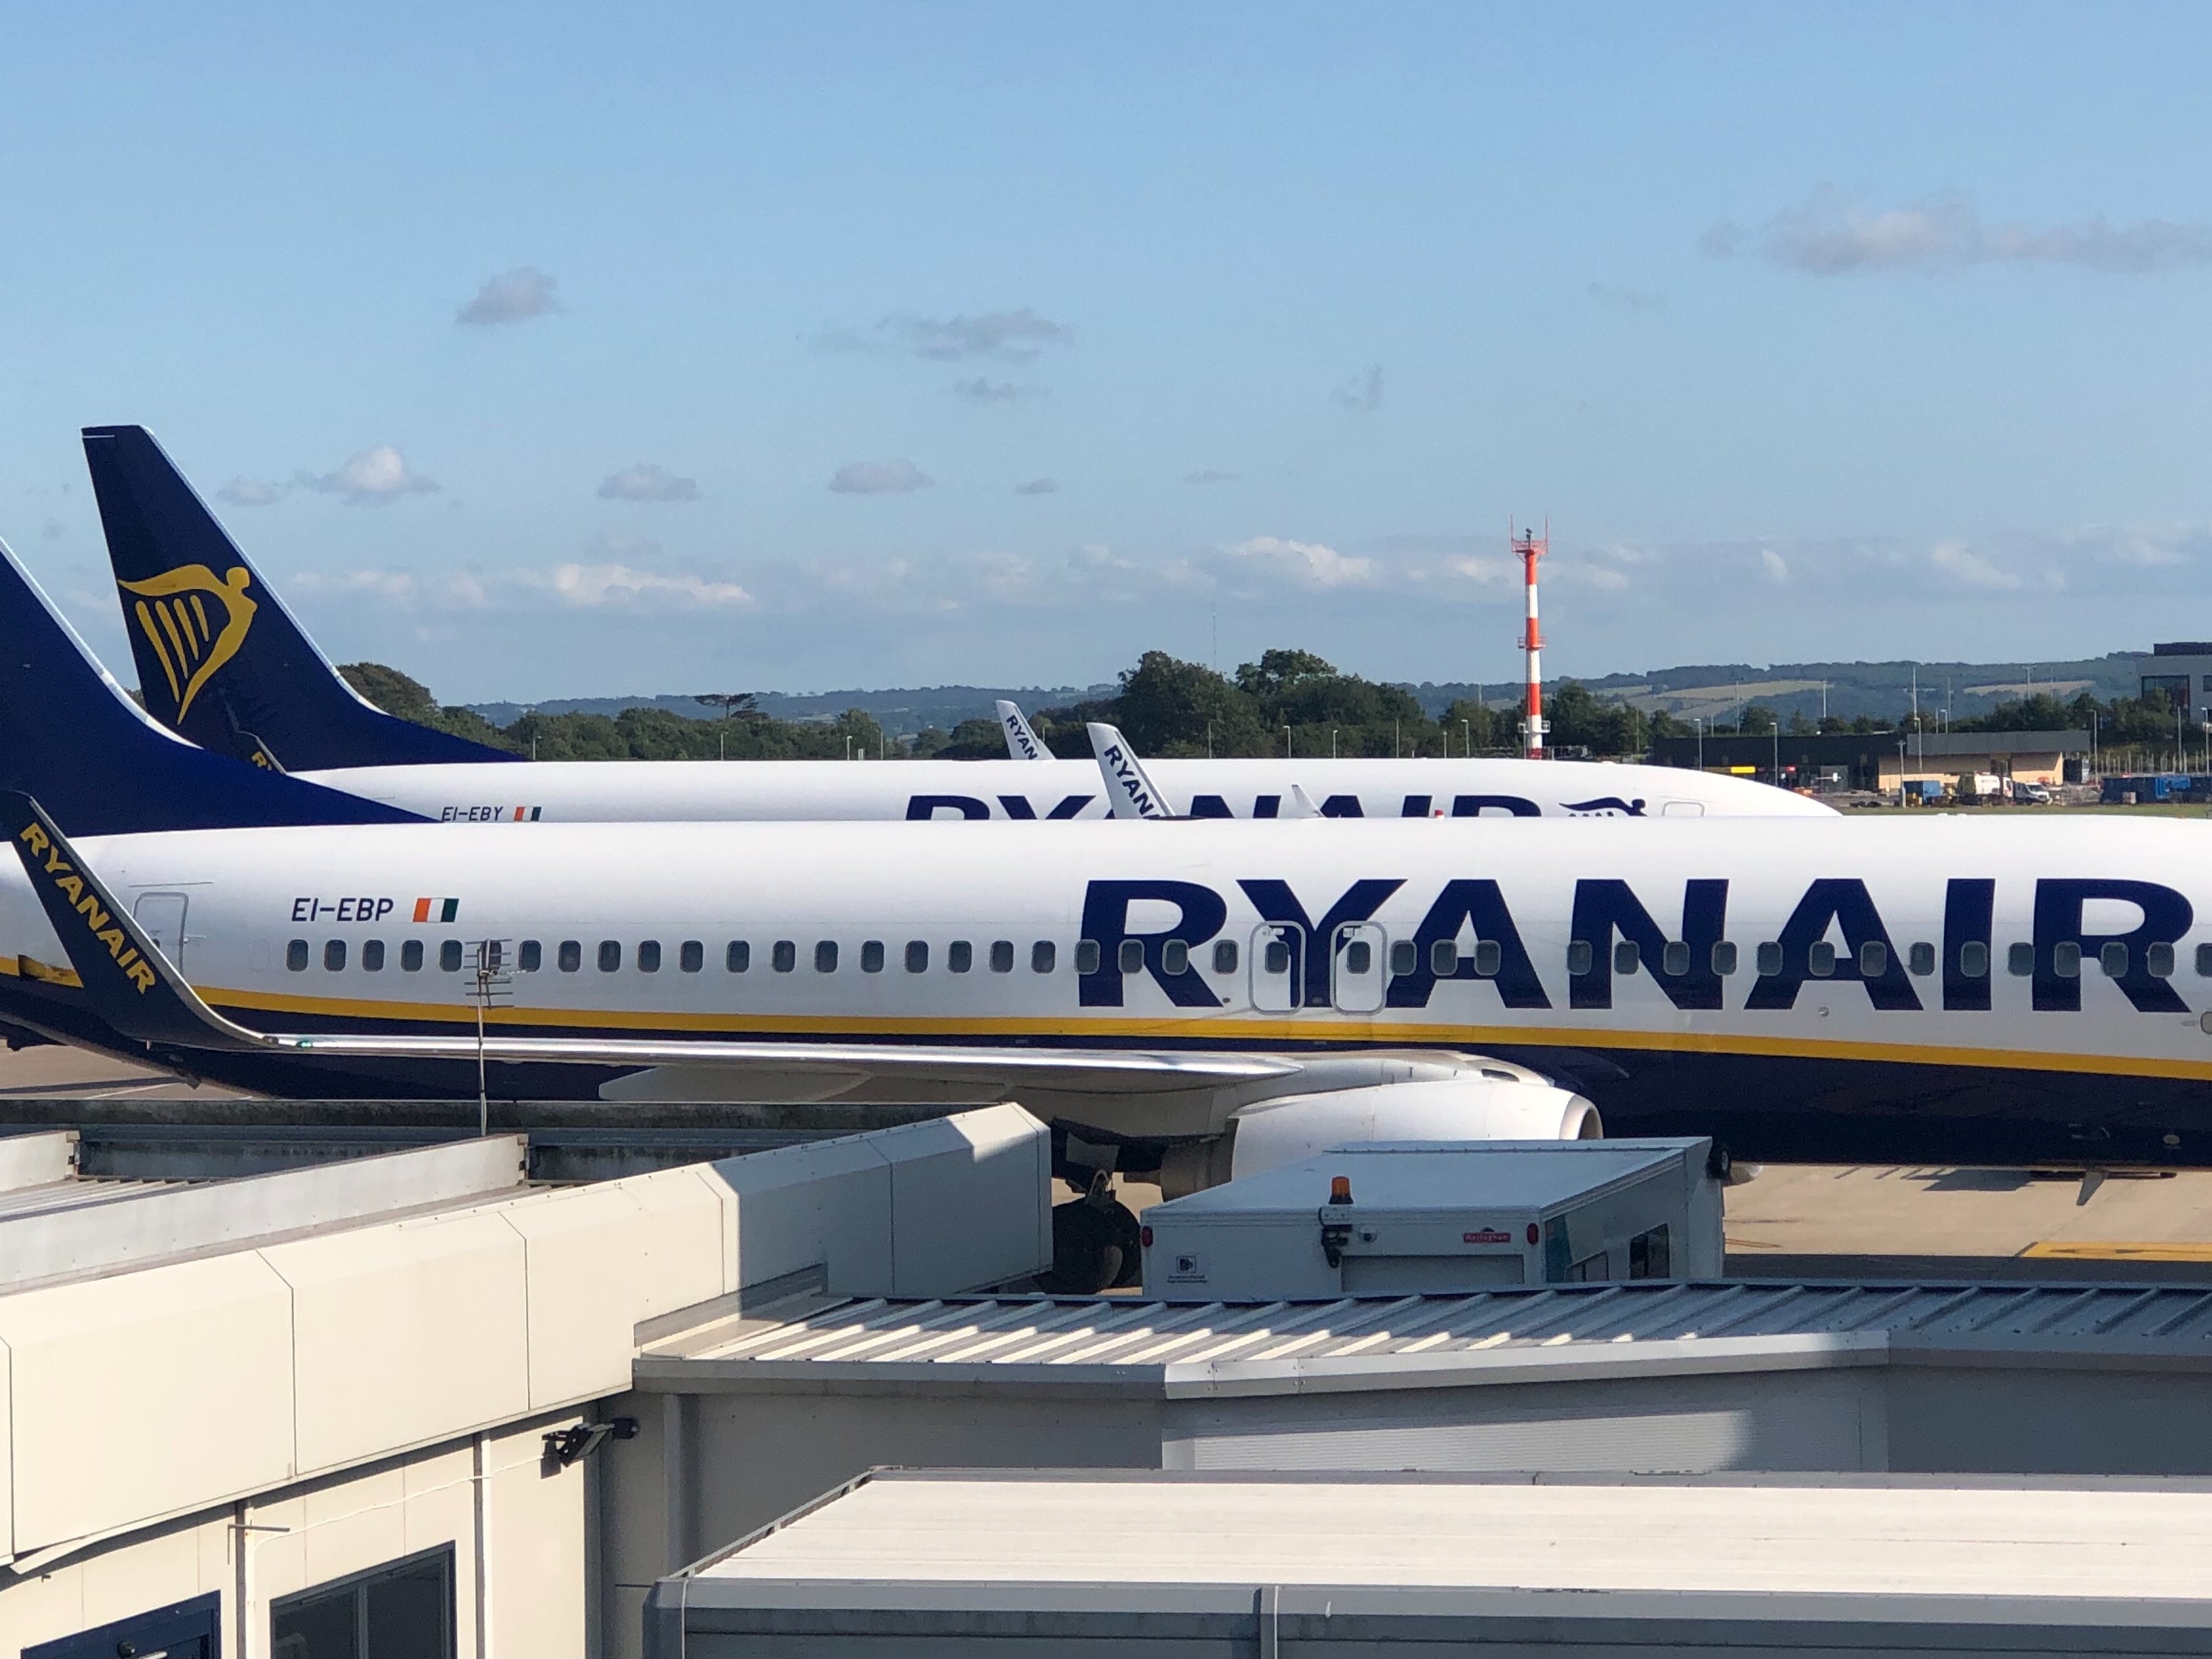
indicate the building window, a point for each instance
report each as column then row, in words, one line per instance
column 648, row 956
column 295, row 956
column 183, row 1630
column 406, row 1607
column 1650, row 1255
column 449, row 957
column 411, row 956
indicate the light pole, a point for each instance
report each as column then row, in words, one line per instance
column 1286, row 741
column 1698, row 721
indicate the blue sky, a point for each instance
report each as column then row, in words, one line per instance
column 544, row 351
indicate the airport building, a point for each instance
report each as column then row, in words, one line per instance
column 1883, row 760
column 2180, row 673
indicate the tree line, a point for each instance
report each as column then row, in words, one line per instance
column 1288, row 702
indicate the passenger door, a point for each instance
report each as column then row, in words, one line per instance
column 163, row 917
column 1356, row 968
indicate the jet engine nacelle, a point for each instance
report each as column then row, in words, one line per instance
column 1269, row 1134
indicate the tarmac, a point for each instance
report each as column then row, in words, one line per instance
column 1789, row 1221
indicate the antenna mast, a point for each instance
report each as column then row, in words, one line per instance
column 1531, row 547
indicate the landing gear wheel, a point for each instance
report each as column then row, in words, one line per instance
column 1129, row 1238
column 1086, row 1254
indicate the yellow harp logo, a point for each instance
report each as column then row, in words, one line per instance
column 173, row 611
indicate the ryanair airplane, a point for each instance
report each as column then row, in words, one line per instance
column 223, row 662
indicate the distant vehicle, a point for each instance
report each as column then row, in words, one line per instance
column 2034, row 794
column 1980, row 787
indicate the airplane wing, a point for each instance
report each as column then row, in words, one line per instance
column 131, row 985
column 1129, row 791
column 1022, row 744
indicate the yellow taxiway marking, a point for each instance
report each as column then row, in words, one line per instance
column 2084, row 1250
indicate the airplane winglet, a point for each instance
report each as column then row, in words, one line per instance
column 1300, row 805
column 1128, row 790
column 127, row 981
column 1022, row 744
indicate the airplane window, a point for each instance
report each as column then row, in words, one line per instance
column 1724, row 957
column 1624, row 957
column 1175, row 957
column 334, row 954
column 2204, row 962
column 1224, row 955
column 1359, row 956
column 2113, row 959
column 2019, row 960
column 1874, row 959
column 411, row 956
column 784, row 957
column 610, row 955
column 1974, row 959
column 449, row 957
column 295, row 956
column 1042, row 955
column 1770, row 958
column 1820, row 960
column 1489, row 958
column 1405, row 955
column 1132, row 960
column 2066, row 959
column 529, row 957
column 960, row 956
column 2158, row 962
column 371, row 956
column 1920, row 958
column 691, row 956
column 825, row 956
column 571, row 957
column 1579, row 957
column 917, row 957
column 1002, row 955
column 738, row 956
column 872, row 957
column 1674, row 960
column 1086, row 956
column 648, row 956
column 1278, row 957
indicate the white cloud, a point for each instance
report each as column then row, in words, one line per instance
column 1962, row 563
column 1209, row 478
column 249, row 492
column 894, row 478
column 1832, row 234
column 1776, row 566
column 1011, row 336
column 1038, row 487
column 1626, row 299
column 372, row 478
column 600, row 585
column 982, row 390
column 513, row 296
column 1362, row 393
column 1309, row 564
column 647, row 482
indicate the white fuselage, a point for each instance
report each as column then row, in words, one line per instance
column 631, row 791
column 2060, row 954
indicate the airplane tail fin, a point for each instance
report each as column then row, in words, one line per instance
column 69, row 735
column 128, row 983
column 1128, row 790
column 1022, row 744
column 220, row 658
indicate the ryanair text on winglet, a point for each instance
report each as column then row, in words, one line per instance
column 86, row 904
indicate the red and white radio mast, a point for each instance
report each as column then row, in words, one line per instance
column 1532, row 547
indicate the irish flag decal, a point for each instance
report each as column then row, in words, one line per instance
column 437, row 909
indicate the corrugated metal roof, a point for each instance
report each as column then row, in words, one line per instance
column 1074, row 1335
column 77, row 1193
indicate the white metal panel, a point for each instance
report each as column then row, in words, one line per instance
column 1843, row 1539
column 145, row 1393
column 406, row 1333
column 687, row 1227
column 827, row 1205
column 583, row 1282
column 7, row 1451
column 971, row 1202
column 32, row 1160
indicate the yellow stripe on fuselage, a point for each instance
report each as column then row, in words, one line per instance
column 1323, row 1030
